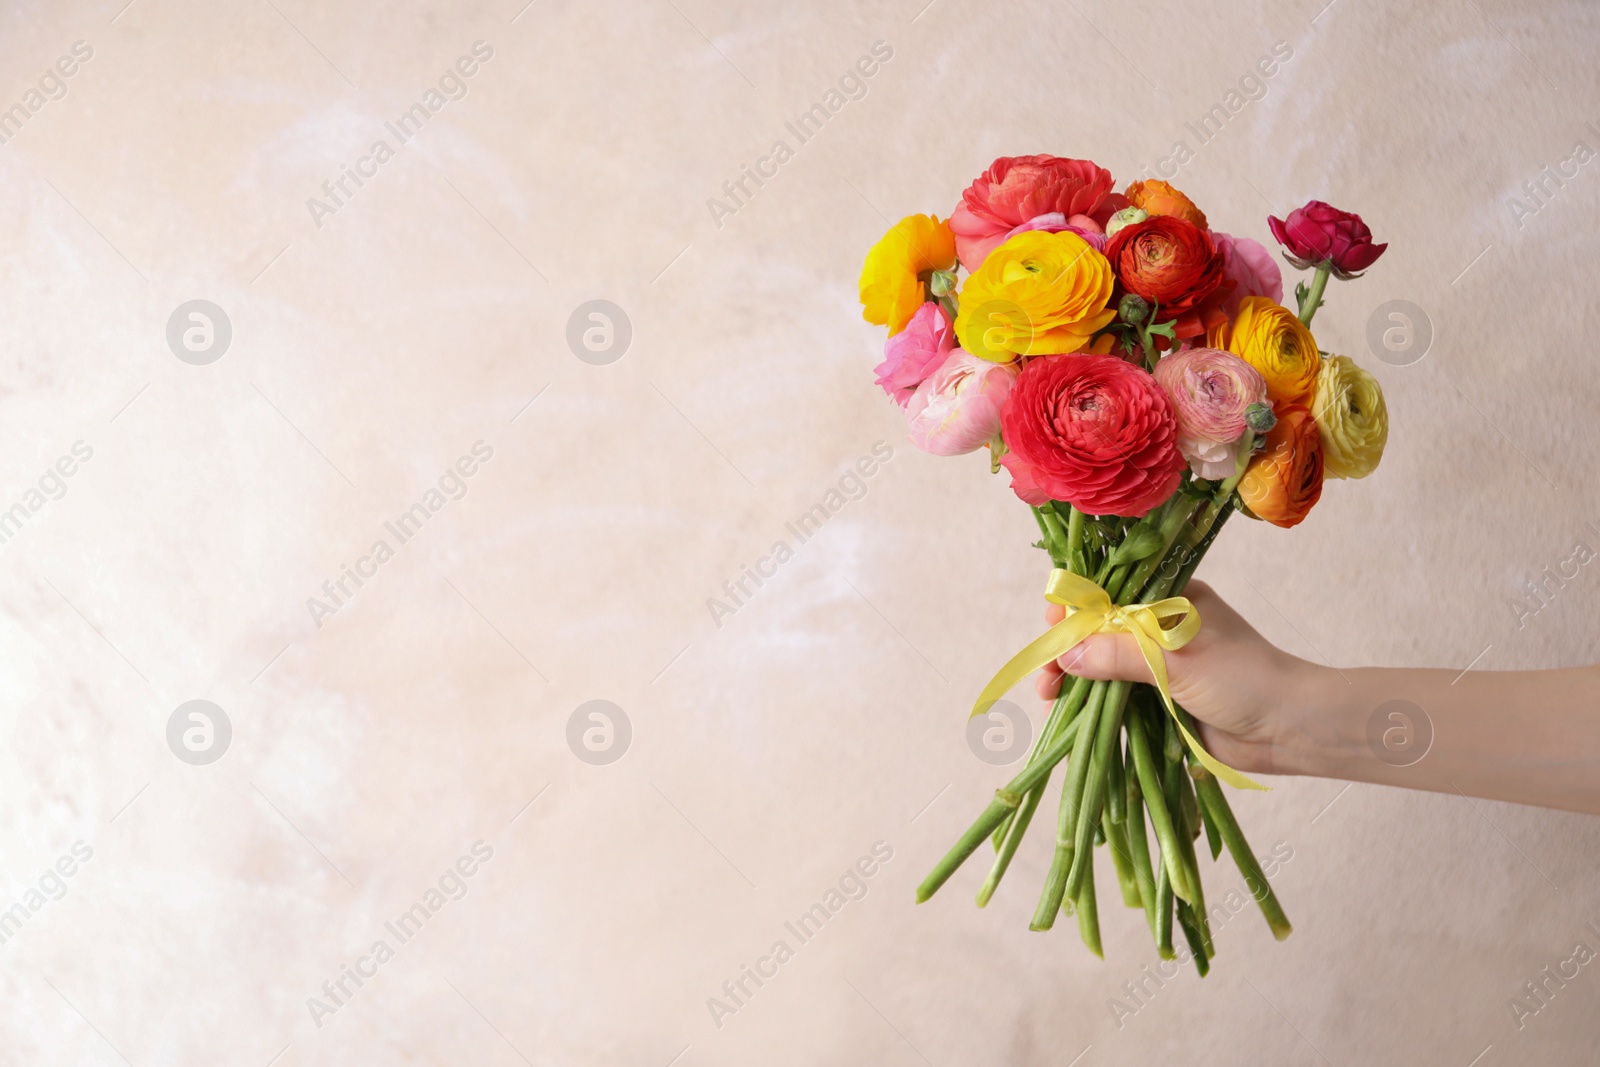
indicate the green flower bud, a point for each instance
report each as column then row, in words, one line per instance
column 1259, row 417
column 942, row 283
column 1134, row 309
column 1126, row 217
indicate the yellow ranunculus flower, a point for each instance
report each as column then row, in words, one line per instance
column 893, row 282
column 1272, row 340
column 1039, row 294
column 1352, row 419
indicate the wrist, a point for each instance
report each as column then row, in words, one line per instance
column 1313, row 735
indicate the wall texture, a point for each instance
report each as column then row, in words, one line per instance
column 387, row 739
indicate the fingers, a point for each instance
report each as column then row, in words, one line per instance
column 1048, row 683
column 1116, row 657
column 1106, row 658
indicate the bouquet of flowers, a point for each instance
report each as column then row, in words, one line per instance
column 1134, row 372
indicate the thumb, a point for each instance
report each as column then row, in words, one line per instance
column 1107, row 658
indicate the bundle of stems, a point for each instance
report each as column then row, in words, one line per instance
column 1124, row 760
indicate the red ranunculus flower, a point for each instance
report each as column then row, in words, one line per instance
column 1319, row 232
column 1172, row 262
column 1017, row 189
column 1094, row 431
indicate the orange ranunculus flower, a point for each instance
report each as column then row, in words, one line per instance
column 1271, row 339
column 1159, row 198
column 1285, row 479
column 1039, row 294
column 894, row 280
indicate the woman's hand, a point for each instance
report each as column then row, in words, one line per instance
column 1531, row 737
column 1242, row 689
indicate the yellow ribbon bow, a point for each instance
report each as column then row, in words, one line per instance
column 1091, row 611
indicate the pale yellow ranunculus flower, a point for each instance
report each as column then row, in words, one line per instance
column 1352, row 418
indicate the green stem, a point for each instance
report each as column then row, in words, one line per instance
column 1053, row 537
column 1255, row 879
column 1086, row 817
column 1199, row 550
column 1019, row 826
column 1154, row 792
column 1139, row 846
column 1077, row 558
column 1164, row 914
column 1069, row 701
column 1005, row 800
column 1116, row 786
column 951, row 306
column 1180, row 798
column 1196, row 938
column 1055, row 883
column 1089, row 913
column 1182, row 508
column 1313, row 300
column 1117, row 841
column 1185, row 550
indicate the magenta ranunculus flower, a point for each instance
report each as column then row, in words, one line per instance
column 957, row 409
column 1210, row 390
column 915, row 352
column 1251, row 269
column 1321, row 232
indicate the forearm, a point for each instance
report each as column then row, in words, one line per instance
column 1529, row 737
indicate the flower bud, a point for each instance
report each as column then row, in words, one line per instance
column 942, row 282
column 1320, row 234
column 1259, row 417
column 1134, row 309
column 1126, row 217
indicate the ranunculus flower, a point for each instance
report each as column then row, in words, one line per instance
column 915, row 352
column 1159, row 198
column 1172, row 262
column 1271, row 339
column 1284, row 480
column 1094, row 431
column 957, row 410
column 1251, row 269
column 1040, row 293
column 1351, row 418
column 894, row 280
column 1017, row 188
column 1321, row 232
column 1209, row 391
column 1055, row 222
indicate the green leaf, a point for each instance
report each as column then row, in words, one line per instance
column 1141, row 541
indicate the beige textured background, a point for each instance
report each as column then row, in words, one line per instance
column 771, row 752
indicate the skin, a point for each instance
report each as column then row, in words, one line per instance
column 1530, row 737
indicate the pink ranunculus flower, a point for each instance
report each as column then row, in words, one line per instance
column 915, row 352
column 1251, row 268
column 1319, row 233
column 1210, row 390
column 1055, row 222
column 957, row 409
column 1016, row 189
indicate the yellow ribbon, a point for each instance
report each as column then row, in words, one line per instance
column 1091, row 611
